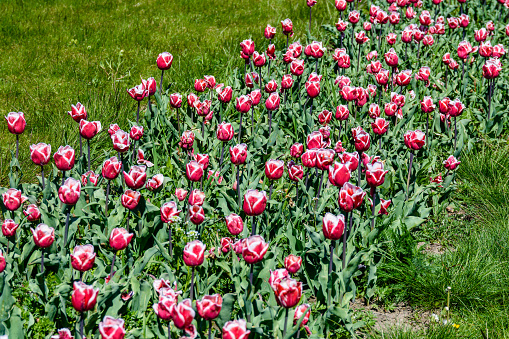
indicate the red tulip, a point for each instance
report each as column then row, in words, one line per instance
column 324, row 117
column 136, row 132
column 287, row 27
column 272, row 102
column 464, row 49
column 238, row 154
column 64, row 158
column 384, row 205
column 151, row 85
column 362, row 141
column 314, row 140
column 194, row 253
column 196, row 197
column 9, row 228
column 247, row 47
column 287, row 81
column 111, row 328
column 297, row 67
column 243, row 104
column 303, row 311
column 16, row 122
column 120, row 141
column 224, row 94
column 83, row 297
column 380, row 126
column 89, row 129
column 295, row 172
column 254, row 249
column 350, row 197
column 350, row 159
column 251, row 78
column 274, row 169
column 341, row 25
column 194, row 171
column 78, row 112
column 339, row 173
column 183, row 314
column 492, row 68
column 382, row 17
column 164, row 307
column 164, row 61
column 111, row 168
column 120, row 238
column 70, row 191
column 210, row 80
column 296, row 150
column 403, row 78
column 288, row 292
column 196, row 214
column 169, row 210
column 180, row 193
column 361, row 38
column 209, row 306
column 89, row 175
column 3, row 263
column 187, row 140
column 375, row 174
column 136, row 177
column 259, row 59
column 276, row 276
column 427, row 105
column 63, row 333
column 130, row 199
column 414, row 139
column 324, row 158
column 40, row 153
column 391, row 58
column 12, row 199
column 315, row 50
column 155, row 182
column 270, row 32
column 309, row 158
column 271, row 50
column 293, row 263
column 313, row 88
column 451, row 163
column 32, row 213
column 254, row 202
column 113, row 129
column 234, row 224
column 333, row 226
column 43, row 235
column 236, row 329
column 83, row 257
column 176, row 100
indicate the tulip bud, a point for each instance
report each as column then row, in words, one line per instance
column 414, row 139
column 64, row 158
column 43, row 235
column 254, row 202
column 225, row 131
column 234, row 224
column 78, row 112
column 380, row 126
column 303, row 311
column 16, row 122
column 196, row 214
column 89, row 175
column 309, row 158
column 111, row 328
column 270, row 32
column 287, row 27
column 194, row 253
column 293, row 263
column 83, row 257
column 375, row 174
column 194, row 171
column 451, row 163
column 83, row 297
column 32, row 213
column 287, row 81
column 180, row 193
column 288, row 292
column 9, row 228
column 391, row 58
column 295, row 172
column 272, row 102
column 187, row 140
column 243, row 104
column 120, row 141
column 70, row 191
column 297, row 67
column 238, row 154
column 164, row 61
column 12, row 199
column 333, row 226
column 209, row 306
column 120, row 238
column 130, row 199
column 176, row 100
column 274, row 169
column 254, row 249
column 89, row 129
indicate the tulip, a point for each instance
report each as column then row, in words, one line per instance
column 295, row 173
column 238, row 154
column 309, row 158
column 32, row 213
column 78, row 112
column 196, row 197
column 183, row 314
column 89, row 175
column 83, row 257
column 164, row 307
column 3, row 263
column 64, row 158
column 293, row 263
column 254, row 202
column 350, row 197
column 120, row 140
column 297, row 67
column 136, row 177
column 9, row 228
column 314, row 140
column 225, row 131
column 16, row 124
column 194, row 253
column 302, row 314
column 120, row 238
column 209, row 306
column 164, row 61
column 287, row 27
column 375, row 174
column 236, row 329
column 194, row 171
column 70, row 191
column 339, row 173
column 83, row 297
column 196, row 214
column 234, row 224
column 130, row 199
column 254, row 249
column 62, row 333
column 12, row 199
column 180, row 193
column 414, row 140
column 451, row 163
column 44, row 236
column 111, row 328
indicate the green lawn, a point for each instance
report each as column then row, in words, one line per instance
column 56, row 53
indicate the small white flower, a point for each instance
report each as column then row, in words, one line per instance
column 435, row 317
column 446, row 308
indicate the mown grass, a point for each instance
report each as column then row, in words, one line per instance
column 474, row 265
column 58, row 52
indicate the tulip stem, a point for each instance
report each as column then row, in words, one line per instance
column 122, row 162
column 252, row 121
column 329, row 286
column 63, row 178
column 192, row 283
column 286, row 315
column 240, row 128
column 270, row 123
column 345, row 238
column 287, row 40
column 134, row 151
column 66, row 231
column 42, row 175
column 455, row 133
column 238, row 187
column 222, row 157
column 138, row 113
column 88, row 144
column 319, row 190
column 81, row 145
column 359, row 58
column 170, row 245
column 409, row 172
column 359, row 169
column 373, row 196
column 17, row 146
column 107, row 196
column 309, row 33
column 161, row 83
column 82, row 324
column 112, row 272
column 253, row 225
column 296, row 191
column 270, row 189
column 490, row 93
column 42, row 260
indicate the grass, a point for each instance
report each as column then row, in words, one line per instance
column 92, row 51
column 475, row 261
